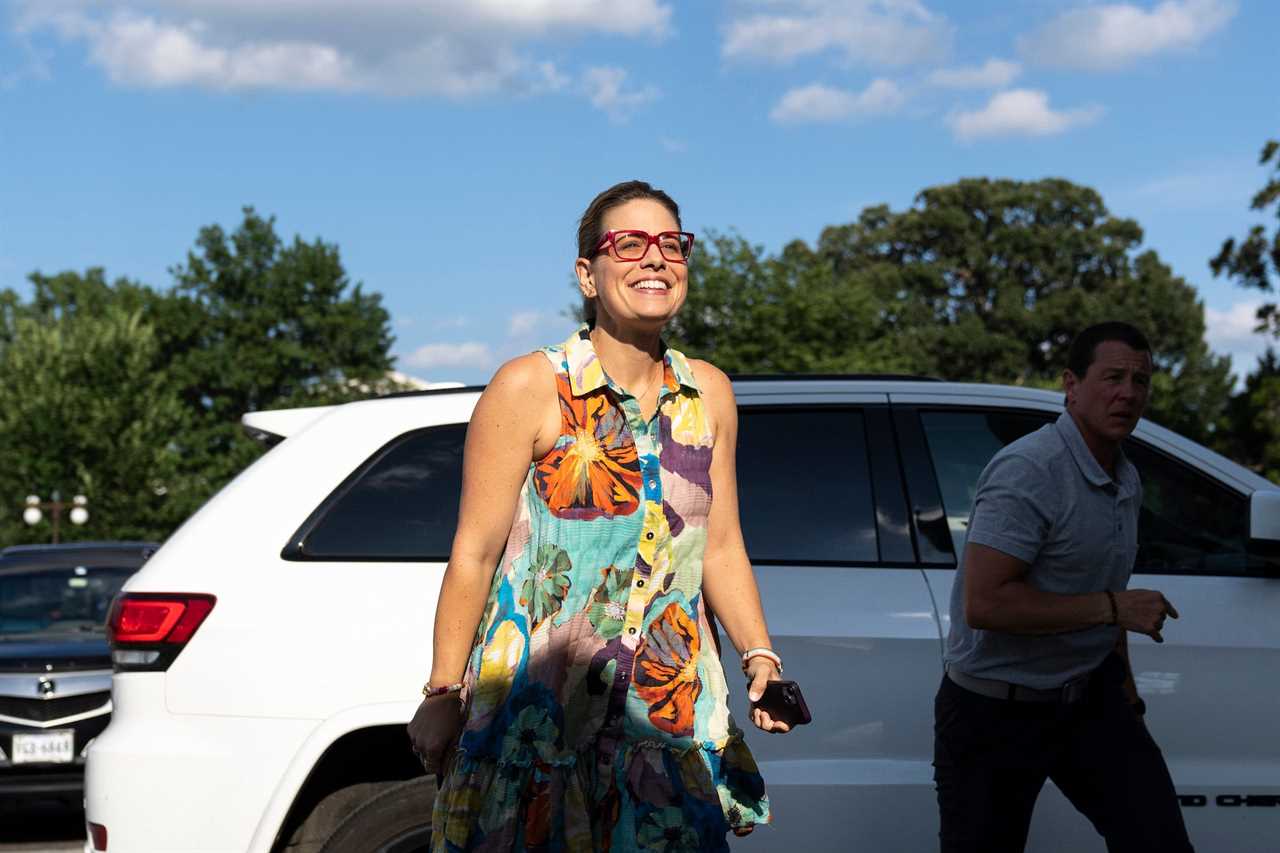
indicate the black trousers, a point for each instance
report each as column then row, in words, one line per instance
column 991, row 758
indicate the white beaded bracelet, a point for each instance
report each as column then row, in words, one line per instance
column 431, row 692
column 761, row 652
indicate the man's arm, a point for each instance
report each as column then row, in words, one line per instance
column 999, row 597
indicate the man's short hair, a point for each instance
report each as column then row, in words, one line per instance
column 1080, row 356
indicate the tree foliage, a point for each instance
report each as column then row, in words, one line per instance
column 84, row 411
column 251, row 323
column 1254, row 261
column 1254, row 414
column 981, row 280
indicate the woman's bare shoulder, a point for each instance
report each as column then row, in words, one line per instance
column 519, row 383
column 712, row 381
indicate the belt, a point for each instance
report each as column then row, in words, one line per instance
column 1069, row 693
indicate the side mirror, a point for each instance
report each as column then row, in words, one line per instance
column 1264, row 519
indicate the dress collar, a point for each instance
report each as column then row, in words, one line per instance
column 586, row 374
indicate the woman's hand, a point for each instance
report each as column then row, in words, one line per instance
column 434, row 729
column 760, row 671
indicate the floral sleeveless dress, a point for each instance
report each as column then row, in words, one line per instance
column 596, row 707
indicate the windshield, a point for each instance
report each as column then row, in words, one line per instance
column 58, row 600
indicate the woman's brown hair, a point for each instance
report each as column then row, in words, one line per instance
column 591, row 225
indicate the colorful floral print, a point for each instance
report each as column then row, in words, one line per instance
column 609, row 604
column 544, row 589
column 667, row 671
column 498, row 662
column 664, row 830
column 532, row 735
column 596, row 710
column 592, row 471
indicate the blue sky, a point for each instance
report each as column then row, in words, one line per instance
column 448, row 146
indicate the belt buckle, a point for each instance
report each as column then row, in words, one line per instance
column 1072, row 691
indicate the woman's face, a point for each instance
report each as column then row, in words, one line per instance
column 644, row 293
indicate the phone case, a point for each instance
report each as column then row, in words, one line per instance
column 784, row 702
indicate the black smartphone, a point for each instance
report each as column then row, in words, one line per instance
column 784, row 702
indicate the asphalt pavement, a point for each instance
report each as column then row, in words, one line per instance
column 44, row 826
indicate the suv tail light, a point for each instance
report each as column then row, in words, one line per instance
column 148, row 629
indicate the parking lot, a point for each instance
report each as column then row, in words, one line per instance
column 37, row 827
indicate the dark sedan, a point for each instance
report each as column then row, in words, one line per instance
column 55, row 667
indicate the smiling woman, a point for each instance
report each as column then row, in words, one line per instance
column 576, row 698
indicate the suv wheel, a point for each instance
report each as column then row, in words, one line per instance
column 398, row 820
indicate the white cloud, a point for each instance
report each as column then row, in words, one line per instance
column 466, row 354
column 1019, row 112
column 523, row 322
column 451, row 48
column 1231, row 332
column 874, row 32
column 1233, row 327
column 818, row 103
column 993, row 74
column 1107, row 37
column 607, row 89
column 672, row 146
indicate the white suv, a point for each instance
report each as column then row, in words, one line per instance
column 269, row 655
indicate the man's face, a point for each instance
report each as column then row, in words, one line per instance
column 1112, row 395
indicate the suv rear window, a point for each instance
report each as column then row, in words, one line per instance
column 402, row 504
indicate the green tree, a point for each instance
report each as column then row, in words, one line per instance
column 981, row 280
column 83, row 410
column 1254, row 416
column 251, row 323
column 749, row 313
column 1255, row 260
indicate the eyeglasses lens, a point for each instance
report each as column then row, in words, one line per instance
column 632, row 245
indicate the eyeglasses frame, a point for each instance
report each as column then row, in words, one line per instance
column 611, row 235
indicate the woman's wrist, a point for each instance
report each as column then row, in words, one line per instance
column 761, row 652
column 430, row 690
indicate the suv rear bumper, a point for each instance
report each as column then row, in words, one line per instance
column 168, row 783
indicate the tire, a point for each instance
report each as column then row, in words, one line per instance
column 397, row 820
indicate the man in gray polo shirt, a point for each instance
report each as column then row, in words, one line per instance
column 1038, row 684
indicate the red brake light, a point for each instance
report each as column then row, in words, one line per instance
column 146, row 621
column 148, row 629
column 98, row 835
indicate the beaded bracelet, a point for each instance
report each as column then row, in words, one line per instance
column 761, row 652
column 1115, row 611
column 430, row 692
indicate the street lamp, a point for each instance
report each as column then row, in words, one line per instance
column 35, row 507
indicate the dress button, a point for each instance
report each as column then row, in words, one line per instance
column 649, row 535
column 631, row 630
column 640, row 583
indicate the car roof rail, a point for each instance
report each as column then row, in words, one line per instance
column 827, row 377
column 430, row 392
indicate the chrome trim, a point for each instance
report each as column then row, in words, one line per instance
column 101, row 710
column 28, row 685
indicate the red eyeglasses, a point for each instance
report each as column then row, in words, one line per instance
column 631, row 245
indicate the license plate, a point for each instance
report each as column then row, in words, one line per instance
column 44, row 748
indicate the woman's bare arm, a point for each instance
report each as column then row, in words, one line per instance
column 515, row 421
column 727, row 580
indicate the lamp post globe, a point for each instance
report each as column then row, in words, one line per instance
column 32, row 515
column 79, row 515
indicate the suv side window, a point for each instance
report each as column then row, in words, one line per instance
column 804, row 487
column 1191, row 524
column 401, row 504
column 961, row 444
